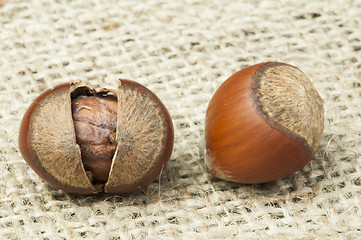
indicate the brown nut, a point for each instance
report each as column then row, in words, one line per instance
column 86, row 141
column 263, row 123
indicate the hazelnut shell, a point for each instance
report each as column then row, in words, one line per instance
column 263, row 123
column 144, row 137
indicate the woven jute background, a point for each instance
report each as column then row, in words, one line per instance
column 182, row 51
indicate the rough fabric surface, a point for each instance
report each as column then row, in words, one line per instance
column 183, row 50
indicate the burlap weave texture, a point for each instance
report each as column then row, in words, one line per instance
column 182, row 51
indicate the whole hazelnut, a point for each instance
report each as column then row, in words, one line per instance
column 263, row 123
column 86, row 141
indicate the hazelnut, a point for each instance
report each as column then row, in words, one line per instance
column 86, row 141
column 263, row 123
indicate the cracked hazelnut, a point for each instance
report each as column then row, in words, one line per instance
column 263, row 123
column 86, row 141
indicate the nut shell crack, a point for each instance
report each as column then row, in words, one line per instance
column 95, row 123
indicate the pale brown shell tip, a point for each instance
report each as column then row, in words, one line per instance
column 288, row 101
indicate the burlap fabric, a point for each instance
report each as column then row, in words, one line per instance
column 183, row 50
